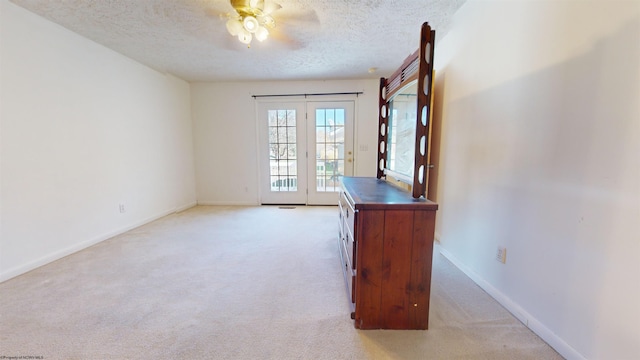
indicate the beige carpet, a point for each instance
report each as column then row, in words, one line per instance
column 237, row 283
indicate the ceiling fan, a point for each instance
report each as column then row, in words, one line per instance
column 256, row 19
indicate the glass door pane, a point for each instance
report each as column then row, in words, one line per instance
column 283, row 153
column 330, row 147
column 283, row 167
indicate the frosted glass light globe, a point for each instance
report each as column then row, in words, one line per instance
column 245, row 37
column 250, row 24
column 262, row 33
column 234, row 26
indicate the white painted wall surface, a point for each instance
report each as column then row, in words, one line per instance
column 83, row 130
column 225, row 133
column 540, row 104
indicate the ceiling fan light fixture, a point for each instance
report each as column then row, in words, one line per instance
column 250, row 24
column 251, row 19
column 268, row 21
column 262, row 33
column 245, row 37
column 234, row 26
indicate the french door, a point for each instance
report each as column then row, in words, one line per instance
column 305, row 147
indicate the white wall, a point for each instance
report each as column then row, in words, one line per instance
column 539, row 103
column 83, row 130
column 540, row 110
column 224, row 117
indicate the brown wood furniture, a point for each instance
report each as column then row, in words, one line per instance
column 386, row 247
column 386, row 232
column 416, row 68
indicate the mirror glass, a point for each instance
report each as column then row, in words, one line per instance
column 403, row 108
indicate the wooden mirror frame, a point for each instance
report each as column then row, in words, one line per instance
column 417, row 66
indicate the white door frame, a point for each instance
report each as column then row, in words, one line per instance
column 299, row 196
column 304, row 130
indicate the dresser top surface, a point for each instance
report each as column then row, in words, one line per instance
column 372, row 193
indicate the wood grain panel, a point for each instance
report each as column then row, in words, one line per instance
column 369, row 252
column 421, row 261
column 396, row 267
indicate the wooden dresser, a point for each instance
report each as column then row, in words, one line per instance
column 386, row 248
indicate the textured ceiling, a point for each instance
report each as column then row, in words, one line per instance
column 314, row 39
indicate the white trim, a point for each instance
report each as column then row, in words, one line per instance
column 328, row 198
column 57, row 255
column 285, row 197
column 354, row 137
column 186, row 207
column 258, row 141
column 516, row 310
column 228, row 203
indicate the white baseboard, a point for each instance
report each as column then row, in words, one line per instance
column 56, row 255
column 516, row 310
column 186, row 206
column 227, row 203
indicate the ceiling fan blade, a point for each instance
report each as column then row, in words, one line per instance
column 290, row 16
column 282, row 37
column 219, row 9
column 270, row 7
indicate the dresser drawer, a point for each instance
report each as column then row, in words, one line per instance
column 348, row 212
column 341, row 223
column 350, row 248
column 348, row 270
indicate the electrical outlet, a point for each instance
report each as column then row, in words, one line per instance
column 501, row 255
column 121, row 207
